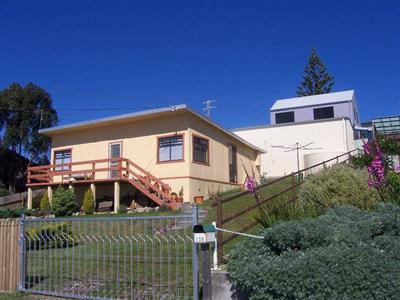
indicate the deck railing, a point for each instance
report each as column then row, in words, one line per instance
column 100, row 170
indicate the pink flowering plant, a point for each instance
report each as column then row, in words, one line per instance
column 383, row 172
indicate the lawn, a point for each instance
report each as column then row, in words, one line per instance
column 111, row 257
column 241, row 203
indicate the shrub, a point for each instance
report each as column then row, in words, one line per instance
column 51, row 235
column 122, row 209
column 345, row 254
column 45, row 203
column 64, row 202
column 6, row 213
column 336, row 185
column 88, row 202
column 3, row 190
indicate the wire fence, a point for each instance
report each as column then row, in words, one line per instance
column 110, row 258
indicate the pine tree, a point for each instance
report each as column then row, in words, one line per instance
column 316, row 79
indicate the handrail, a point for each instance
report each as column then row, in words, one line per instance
column 242, row 193
column 151, row 176
column 219, row 203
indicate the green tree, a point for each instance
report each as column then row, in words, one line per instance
column 316, row 79
column 23, row 112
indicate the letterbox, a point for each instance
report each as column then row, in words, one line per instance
column 204, row 233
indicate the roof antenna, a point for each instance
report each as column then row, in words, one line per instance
column 208, row 107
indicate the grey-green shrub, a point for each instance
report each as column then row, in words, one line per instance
column 344, row 254
column 337, row 185
column 64, row 202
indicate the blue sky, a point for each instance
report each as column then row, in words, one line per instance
column 123, row 56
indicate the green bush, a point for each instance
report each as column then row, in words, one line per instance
column 6, row 213
column 336, row 185
column 3, row 190
column 88, row 202
column 345, row 254
column 51, row 235
column 45, row 203
column 122, row 209
column 64, row 202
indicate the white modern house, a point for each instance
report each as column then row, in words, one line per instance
column 305, row 131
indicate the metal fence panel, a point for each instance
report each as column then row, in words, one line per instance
column 110, row 258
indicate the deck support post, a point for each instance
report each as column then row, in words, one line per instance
column 50, row 194
column 116, row 196
column 29, row 204
column 93, row 188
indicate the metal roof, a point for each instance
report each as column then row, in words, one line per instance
column 132, row 116
column 321, row 99
column 387, row 125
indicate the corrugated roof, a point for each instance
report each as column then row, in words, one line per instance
column 131, row 116
column 313, row 100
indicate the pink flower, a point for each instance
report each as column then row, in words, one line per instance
column 250, row 184
column 397, row 169
column 367, row 150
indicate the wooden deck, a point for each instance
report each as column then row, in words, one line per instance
column 101, row 170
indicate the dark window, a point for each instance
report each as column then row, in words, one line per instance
column 200, row 150
column 62, row 157
column 323, row 113
column 170, row 148
column 232, row 163
column 285, row 117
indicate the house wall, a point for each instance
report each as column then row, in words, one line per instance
column 139, row 143
column 303, row 114
column 332, row 136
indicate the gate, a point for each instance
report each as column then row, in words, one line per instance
column 110, row 257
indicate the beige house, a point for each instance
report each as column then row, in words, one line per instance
column 145, row 156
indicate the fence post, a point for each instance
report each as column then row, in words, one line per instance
column 215, row 252
column 195, row 255
column 22, row 253
column 220, row 249
column 293, row 189
column 206, row 278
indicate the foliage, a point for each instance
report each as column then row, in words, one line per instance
column 336, row 185
column 45, row 203
column 280, row 209
column 88, row 202
column 122, row 209
column 53, row 235
column 384, row 175
column 24, row 111
column 64, row 202
column 361, row 161
column 345, row 254
column 3, row 190
column 389, row 145
column 316, row 79
column 6, row 213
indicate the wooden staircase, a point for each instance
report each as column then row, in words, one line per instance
column 151, row 186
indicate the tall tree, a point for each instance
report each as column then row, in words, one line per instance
column 316, row 79
column 28, row 109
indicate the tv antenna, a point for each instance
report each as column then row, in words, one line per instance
column 209, row 107
column 296, row 147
